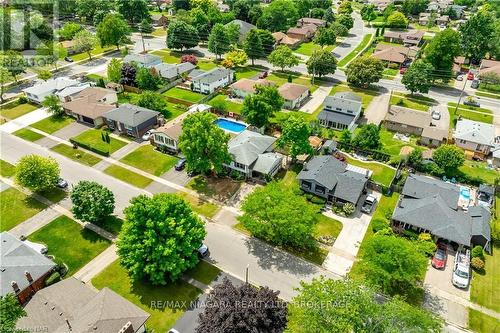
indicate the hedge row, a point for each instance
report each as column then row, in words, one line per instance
column 89, row 147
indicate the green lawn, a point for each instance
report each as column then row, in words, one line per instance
column 229, row 106
column 203, row 272
column 95, row 51
column 175, row 110
column 93, row 137
column 479, row 170
column 112, row 224
column 221, row 189
column 128, row 97
column 206, row 64
column 354, row 53
column 485, row 94
column 308, row 49
column 282, row 78
column 16, row 207
column 327, row 227
column 366, row 95
column 200, row 206
column 482, row 323
column 390, row 72
column 52, row 124
column 147, row 159
column 393, row 146
column 245, row 72
column 76, row 154
column 168, row 56
column 146, row 296
column 470, row 112
column 27, row 134
column 70, row 243
column 159, row 32
column 128, row 176
column 15, row 110
column 382, row 174
column 410, row 102
column 183, row 94
column 7, row 169
column 485, row 287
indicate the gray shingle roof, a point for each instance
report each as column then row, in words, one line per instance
column 340, row 118
column 51, row 86
column 245, row 27
column 18, row 258
column 171, row 71
column 265, row 162
column 212, row 75
column 475, row 131
column 480, row 221
column 246, row 146
column 131, row 115
column 419, row 187
column 145, row 59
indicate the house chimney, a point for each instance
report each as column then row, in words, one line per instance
column 28, row 277
column 304, row 168
column 15, row 287
column 69, row 325
column 127, row 328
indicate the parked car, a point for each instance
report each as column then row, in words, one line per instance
column 470, row 76
column 203, row 251
column 461, row 270
column 403, row 70
column 369, row 203
column 263, row 75
column 440, row 256
column 460, row 77
column 173, row 330
column 436, row 115
column 181, row 164
column 474, row 84
column 471, row 101
column 61, row 183
column 147, row 135
column 68, row 59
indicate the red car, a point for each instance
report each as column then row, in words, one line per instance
column 439, row 258
column 470, row 76
column 402, row 70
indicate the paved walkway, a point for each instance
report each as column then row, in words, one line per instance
column 25, row 120
column 34, row 223
column 122, row 152
column 96, row 265
column 317, row 98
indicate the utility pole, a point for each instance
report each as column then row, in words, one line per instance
column 314, row 66
column 246, row 274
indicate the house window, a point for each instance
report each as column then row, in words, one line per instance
column 239, row 165
column 319, row 189
column 306, row 184
column 338, row 109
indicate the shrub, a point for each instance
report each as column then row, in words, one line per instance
column 89, row 147
column 22, row 100
column 427, row 247
column 53, row 278
column 393, row 65
column 379, row 224
column 348, row 208
column 189, row 58
column 478, row 252
column 425, row 237
column 410, row 234
column 318, row 200
column 477, row 264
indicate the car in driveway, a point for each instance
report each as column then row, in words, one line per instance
column 147, row 135
column 461, row 270
column 471, row 101
column 203, row 251
column 470, row 76
column 474, row 84
column 440, row 256
column 180, row 165
column 460, row 78
column 68, row 59
column 61, row 183
column 368, row 204
column 436, row 115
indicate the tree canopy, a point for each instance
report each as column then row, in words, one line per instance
column 37, row 173
column 368, row 13
column 53, row 105
column 477, row 33
column 258, row 108
column 397, row 20
column 442, row 50
column 321, row 63
column 85, row 41
column 92, row 202
column 114, row 70
column 283, row 57
column 448, row 157
column 364, row 70
column 346, row 20
column 325, row 36
column 113, row 30
column 368, row 137
column 279, row 15
column 295, row 135
column 147, row 79
column 218, row 41
column 10, row 312
column 253, row 45
column 154, row 101
column 418, row 77
column 181, row 35
column 159, row 238
column 133, row 11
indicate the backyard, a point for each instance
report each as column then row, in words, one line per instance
column 15, row 110
column 16, row 207
column 93, row 138
column 128, row 176
column 148, row 159
column 392, row 146
column 145, row 295
column 70, row 243
column 52, row 124
column 245, row 72
column 281, row 78
column 221, row 101
column 479, row 170
column 482, row 323
column 183, row 94
column 382, row 174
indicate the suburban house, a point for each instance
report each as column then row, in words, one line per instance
column 282, row 39
column 424, row 18
column 496, row 156
column 439, row 5
column 208, row 82
column 159, row 20
column 394, row 54
column 404, row 120
column 310, row 20
column 442, row 20
column 476, row 138
column 70, row 46
column 458, row 64
column 245, row 27
column 340, row 111
column 433, row 206
column 333, row 180
column 24, row 269
column 489, row 66
column 173, row 71
column 143, row 60
column 294, row 95
column 244, row 87
column 71, row 306
column 304, row 33
column 410, row 38
column 69, row 92
column 132, row 120
column 166, row 137
column 89, row 105
column 380, row 5
column 38, row 92
column 252, row 155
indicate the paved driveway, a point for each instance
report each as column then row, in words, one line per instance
column 177, row 177
column 377, row 109
column 71, row 130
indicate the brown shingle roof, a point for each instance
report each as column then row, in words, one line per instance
column 248, row 85
column 87, row 103
column 292, row 91
column 435, row 133
column 406, row 116
column 173, row 130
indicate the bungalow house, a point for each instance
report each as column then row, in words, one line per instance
column 439, row 5
column 143, row 60
column 70, row 46
column 208, row 82
column 294, row 95
column 489, row 66
column 476, row 138
column 68, row 93
column 282, row 39
column 245, row 27
column 433, row 136
column 132, row 120
column 394, row 54
column 424, row 18
column 458, row 64
column 72, row 306
column 410, row 38
column 433, row 206
column 159, row 20
column 310, row 20
column 443, row 20
column 173, row 71
column 340, row 111
column 166, row 137
column 89, row 105
column 252, row 154
column 244, row 87
column 24, row 270
column 333, row 180
column 37, row 93
column 304, row 33
column 380, row 5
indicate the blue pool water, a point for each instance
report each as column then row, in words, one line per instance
column 465, row 193
column 230, row 126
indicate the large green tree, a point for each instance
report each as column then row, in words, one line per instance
column 442, row 50
column 448, row 157
column 477, row 33
column 339, row 29
column 53, row 105
column 181, row 35
column 5, row 77
column 93, row 11
column 414, row 7
column 364, row 70
column 325, row 36
column 295, row 134
column 92, row 202
column 146, row 80
column 218, row 41
column 253, row 45
column 346, row 20
column 283, row 57
column 113, row 30
column 368, row 137
column 114, row 70
column 397, row 20
column 418, row 77
column 279, row 15
column 200, row 21
column 280, row 215
column 37, row 173
column 85, row 41
column 321, row 63
column 133, row 11
column 203, row 143
column 10, row 312
column 14, row 62
column 368, row 13
column 154, row 101
column 345, row 7
column 258, row 108
column 159, row 238
column 69, row 30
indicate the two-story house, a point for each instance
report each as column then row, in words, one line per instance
column 132, row 120
column 340, row 111
column 476, row 138
column 208, row 82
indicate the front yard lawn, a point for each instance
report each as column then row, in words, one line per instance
column 69, row 242
column 412, row 102
column 203, row 272
column 147, row 159
column 229, row 106
column 159, row 32
column 221, row 189
column 112, row 224
column 93, row 138
column 16, row 207
column 281, row 78
column 128, row 176
column 95, row 51
column 7, row 169
column 200, row 206
column 76, row 154
column 382, row 174
column 52, row 124
column 206, row 65
column 390, row 72
column 327, row 227
column 168, row 56
column 366, row 94
column 16, row 110
column 147, row 296
column 472, row 113
column 27, row 134
column 485, row 286
column 245, row 72
column 183, row 94
column 308, row 49
column 482, row 323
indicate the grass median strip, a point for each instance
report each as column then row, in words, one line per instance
column 7, row 169
column 28, row 135
column 128, row 176
column 354, row 53
column 76, row 154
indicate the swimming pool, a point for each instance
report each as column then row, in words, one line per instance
column 230, row 126
column 464, row 193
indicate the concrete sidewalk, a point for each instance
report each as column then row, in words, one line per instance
column 96, row 265
column 25, row 120
column 34, row 223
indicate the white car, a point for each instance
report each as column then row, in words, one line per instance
column 203, row 251
column 461, row 270
column 147, row 135
column 369, row 203
column 436, row 115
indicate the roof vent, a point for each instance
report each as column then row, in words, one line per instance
column 15, row 286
